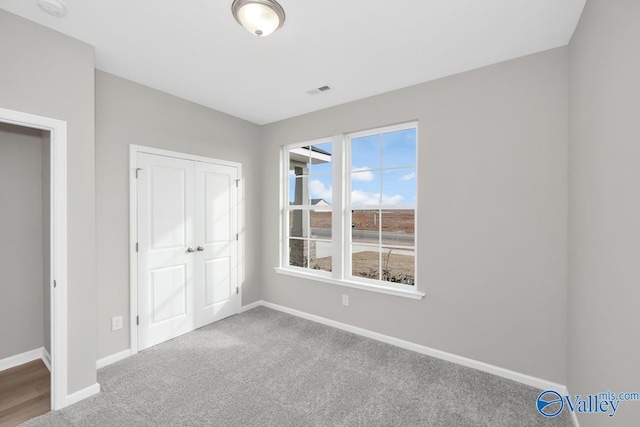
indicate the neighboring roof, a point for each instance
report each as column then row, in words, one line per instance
column 318, row 150
column 317, row 202
column 312, row 154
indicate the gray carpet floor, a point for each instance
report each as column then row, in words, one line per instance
column 267, row 368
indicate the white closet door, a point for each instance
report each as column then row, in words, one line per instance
column 216, row 235
column 166, row 231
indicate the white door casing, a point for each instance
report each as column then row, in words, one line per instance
column 217, row 252
column 185, row 229
column 165, row 255
column 58, row 203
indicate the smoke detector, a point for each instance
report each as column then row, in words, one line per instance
column 53, row 7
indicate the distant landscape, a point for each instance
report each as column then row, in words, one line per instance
column 396, row 264
column 392, row 220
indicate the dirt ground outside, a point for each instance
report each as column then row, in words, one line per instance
column 396, row 265
column 397, row 268
column 392, row 220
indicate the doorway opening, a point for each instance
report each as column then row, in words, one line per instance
column 33, row 258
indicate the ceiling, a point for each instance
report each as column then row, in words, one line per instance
column 196, row 50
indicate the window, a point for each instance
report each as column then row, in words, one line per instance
column 309, row 210
column 350, row 209
column 382, row 204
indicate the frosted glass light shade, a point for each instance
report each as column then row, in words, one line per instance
column 259, row 17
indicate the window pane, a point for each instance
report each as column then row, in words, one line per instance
column 298, row 190
column 320, row 188
column 399, row 148
column 365, row 261
column 365, row 188
column 365, row 152
column 320, row 159
column 298, row 253
column 320, row 224
column 365, row 226
column 398, row 227
column 300, row 157
column 398, row 265
column 298, row 169
column 319, row 255
column 399, row 187
column 299, row 223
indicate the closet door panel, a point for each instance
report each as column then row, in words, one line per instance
column 216, row 232
column 166, row 208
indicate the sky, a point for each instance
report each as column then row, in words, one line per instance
column 383, row 169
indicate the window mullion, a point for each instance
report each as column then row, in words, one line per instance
column 337, row 210
column 284, row 198
column 380, row 262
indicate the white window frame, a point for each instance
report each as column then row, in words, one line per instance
column 341, row 216
column 349, row 208
column 286, row 208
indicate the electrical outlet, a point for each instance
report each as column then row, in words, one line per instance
column 345, row 299
column 116, row 323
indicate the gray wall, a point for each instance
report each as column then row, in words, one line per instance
column 493, row 199
column 21, row 294
column 604, row 205
column 128, row 113
column 492, row 222
column 49, row 74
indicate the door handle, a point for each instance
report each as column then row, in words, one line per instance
column 190, row 249
column 200, row 249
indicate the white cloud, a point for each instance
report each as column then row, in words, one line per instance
column 359, row 197
column 317, row 190
column 408, row 176
column 364, row 174
column 391, row 200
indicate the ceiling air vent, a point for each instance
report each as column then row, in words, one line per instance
column 318, row 90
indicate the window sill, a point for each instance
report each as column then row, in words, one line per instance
column 351, row 284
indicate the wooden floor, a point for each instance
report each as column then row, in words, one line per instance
column 25, row 393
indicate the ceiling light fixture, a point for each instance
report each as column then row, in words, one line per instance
column 259, row 17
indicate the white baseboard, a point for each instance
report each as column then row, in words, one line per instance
column 106, row 361
column 449, row 357
column 46, row 358
column 82, row 394
column 21, row 359
column 564, row 391
column 250, row 306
